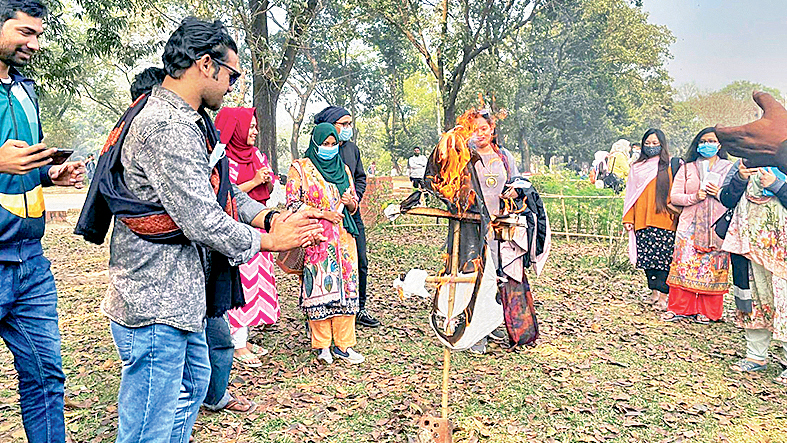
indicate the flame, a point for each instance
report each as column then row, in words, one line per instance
column 453, row 181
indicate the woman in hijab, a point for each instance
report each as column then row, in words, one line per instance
column 251, row 172
column 329, row 284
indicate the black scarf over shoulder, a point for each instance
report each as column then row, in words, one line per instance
column 109, row 196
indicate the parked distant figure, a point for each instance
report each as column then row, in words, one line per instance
column 416, row 166
column 90, row 167
column 636, row 148
column 372, row 171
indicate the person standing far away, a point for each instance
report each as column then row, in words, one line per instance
column 160, row 292
column 341, row 119
column 416, row 167
column 28, row 298
column 90, row 167
column 636, row 148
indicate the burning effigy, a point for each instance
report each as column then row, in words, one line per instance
column 483, row 283
column 497, row 229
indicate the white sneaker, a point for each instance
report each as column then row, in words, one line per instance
column 325, row 356
column 350, row 356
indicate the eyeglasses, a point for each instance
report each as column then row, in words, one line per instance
column 346, row 124
column 234, row 74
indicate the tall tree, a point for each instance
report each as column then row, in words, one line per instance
column 273, row 55
column 450, row 34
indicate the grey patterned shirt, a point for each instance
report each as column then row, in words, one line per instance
column 166, row 161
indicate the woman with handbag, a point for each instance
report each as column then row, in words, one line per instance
column 251, row 172
column 329, row 279
column 698, row 277
column 649, row 217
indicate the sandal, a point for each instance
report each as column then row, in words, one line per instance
column 238, row 404
column 747, row 365
column 257, row 349
column 782, row 378
column 248, row 360
column 701, row 319
column 671, row 316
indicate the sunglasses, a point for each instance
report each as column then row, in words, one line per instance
column 234, row 75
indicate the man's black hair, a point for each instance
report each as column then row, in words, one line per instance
column 193, row 39
column 33, row 8
column 146, row 80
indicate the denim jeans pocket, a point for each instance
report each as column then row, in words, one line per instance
column 124, row 340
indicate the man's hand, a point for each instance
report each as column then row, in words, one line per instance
column 17, row 157
column 763, row 142
column 291, row 230
column 68, row 174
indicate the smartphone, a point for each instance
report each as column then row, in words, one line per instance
column 60, row 156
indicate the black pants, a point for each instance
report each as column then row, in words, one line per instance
column 418, row 183
column 657, row 279
column 363, row 261
column 740, row 271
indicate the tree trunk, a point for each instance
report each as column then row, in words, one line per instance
column 266, row 96
column 449, row 114
column 524, row 151
column 296, row 128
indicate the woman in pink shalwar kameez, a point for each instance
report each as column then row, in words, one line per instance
column 251, row 172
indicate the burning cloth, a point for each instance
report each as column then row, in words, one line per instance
column 493, row 249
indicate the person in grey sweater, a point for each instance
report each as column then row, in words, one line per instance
column 156, row 300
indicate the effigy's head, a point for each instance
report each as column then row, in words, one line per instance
column 451, row 177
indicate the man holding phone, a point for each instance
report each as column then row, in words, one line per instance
column 28, row 299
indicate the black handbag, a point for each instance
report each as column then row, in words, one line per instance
column 721, row 225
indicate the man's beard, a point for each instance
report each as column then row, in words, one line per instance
column 11, row 58
column 213, row 105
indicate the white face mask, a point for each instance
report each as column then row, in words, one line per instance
column 217, row 154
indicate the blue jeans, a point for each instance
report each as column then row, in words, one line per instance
column 164, row 379
column 28, row 325
column 220, row 351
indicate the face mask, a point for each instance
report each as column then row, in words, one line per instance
column 327, row 152
column 707, row 150
column 345, row 134
column 635, row 153
column 651, row 151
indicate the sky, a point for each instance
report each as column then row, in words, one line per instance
column 720, row 41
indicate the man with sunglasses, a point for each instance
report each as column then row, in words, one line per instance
column 156, row 301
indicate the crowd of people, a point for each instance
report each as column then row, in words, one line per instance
column 693, row 220
column 191, row 264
